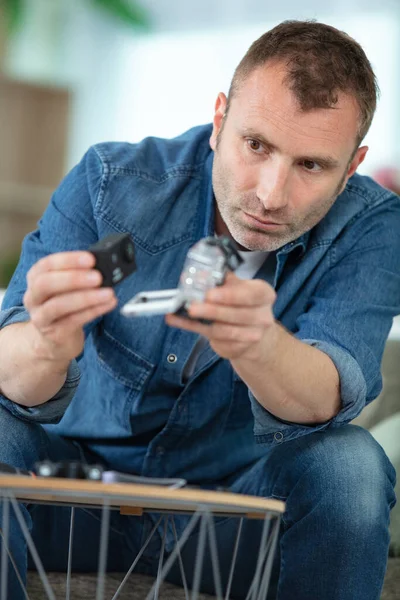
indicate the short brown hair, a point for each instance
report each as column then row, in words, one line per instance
column 321, row 62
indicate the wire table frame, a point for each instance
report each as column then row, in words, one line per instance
column 132, row 499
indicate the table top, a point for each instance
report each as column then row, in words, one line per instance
column 117, row 495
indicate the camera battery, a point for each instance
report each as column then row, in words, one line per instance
column 115, row 258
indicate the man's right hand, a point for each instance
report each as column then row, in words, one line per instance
column 62, row 296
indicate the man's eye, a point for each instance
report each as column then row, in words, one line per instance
column 254, row 145
column 311, row 166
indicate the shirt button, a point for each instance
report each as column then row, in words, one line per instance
column 278, row 436
column 160, row 451
column 172, row 358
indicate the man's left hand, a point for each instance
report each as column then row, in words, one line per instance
column 241, row 317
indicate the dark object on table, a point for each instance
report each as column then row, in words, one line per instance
column 9, row 470
column 68, row 469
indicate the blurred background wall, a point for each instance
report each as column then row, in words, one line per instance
column 107, row 79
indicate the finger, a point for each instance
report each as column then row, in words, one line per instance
column 254, row 316
column 253, row 292
column 78, row 320
column 180, row 322
column 217, row 331
column 62, row 261
column 231, row 278
column 60, row 307
column 53, row 283
column 221, row 332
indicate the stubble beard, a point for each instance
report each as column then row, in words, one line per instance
column 232, row 204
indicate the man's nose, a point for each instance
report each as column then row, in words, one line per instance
column 273, row 184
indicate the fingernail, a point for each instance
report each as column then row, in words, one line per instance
column 86, row 260
column 93, row 276
column 106, row 293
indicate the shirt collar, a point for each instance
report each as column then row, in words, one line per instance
column 301, row 243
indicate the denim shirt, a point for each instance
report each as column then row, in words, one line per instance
column 338, row 289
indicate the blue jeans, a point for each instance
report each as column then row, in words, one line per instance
column 338, row 486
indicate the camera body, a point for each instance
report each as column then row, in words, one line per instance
column 115, row 258
column 205, row 267
column 68, row 469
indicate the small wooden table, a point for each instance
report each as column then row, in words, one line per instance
column 132, row 499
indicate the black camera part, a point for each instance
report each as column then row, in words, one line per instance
column 229, row 248
column 68, row 469
column 6, row 469
column 115, row 258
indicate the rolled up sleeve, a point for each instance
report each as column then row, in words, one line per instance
column 52, row 410
column 348, row 317
column 271, row 429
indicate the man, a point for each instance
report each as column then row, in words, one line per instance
column 260, row 400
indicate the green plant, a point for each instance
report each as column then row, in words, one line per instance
column 12, row 11
column 127, row 11
column 8, row 265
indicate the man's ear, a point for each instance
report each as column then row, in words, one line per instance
column 355, row 163
column 357, row 160
column 219, row 114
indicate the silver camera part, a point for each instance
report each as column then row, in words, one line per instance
column 153, row 303
column 205, row 267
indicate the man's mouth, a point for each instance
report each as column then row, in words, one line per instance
column 263, row 223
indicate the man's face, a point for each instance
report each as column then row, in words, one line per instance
column 278, row 170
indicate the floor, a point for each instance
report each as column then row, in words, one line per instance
column 84, row 587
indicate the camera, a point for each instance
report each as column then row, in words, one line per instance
column 115, row 258
column 205, row 267
column 68, row 469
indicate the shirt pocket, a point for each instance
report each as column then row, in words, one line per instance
column 116, row 377
column 149, row 210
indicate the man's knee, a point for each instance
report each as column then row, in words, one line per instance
column 351, row 454
column 20, row 441
column 348, row 471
